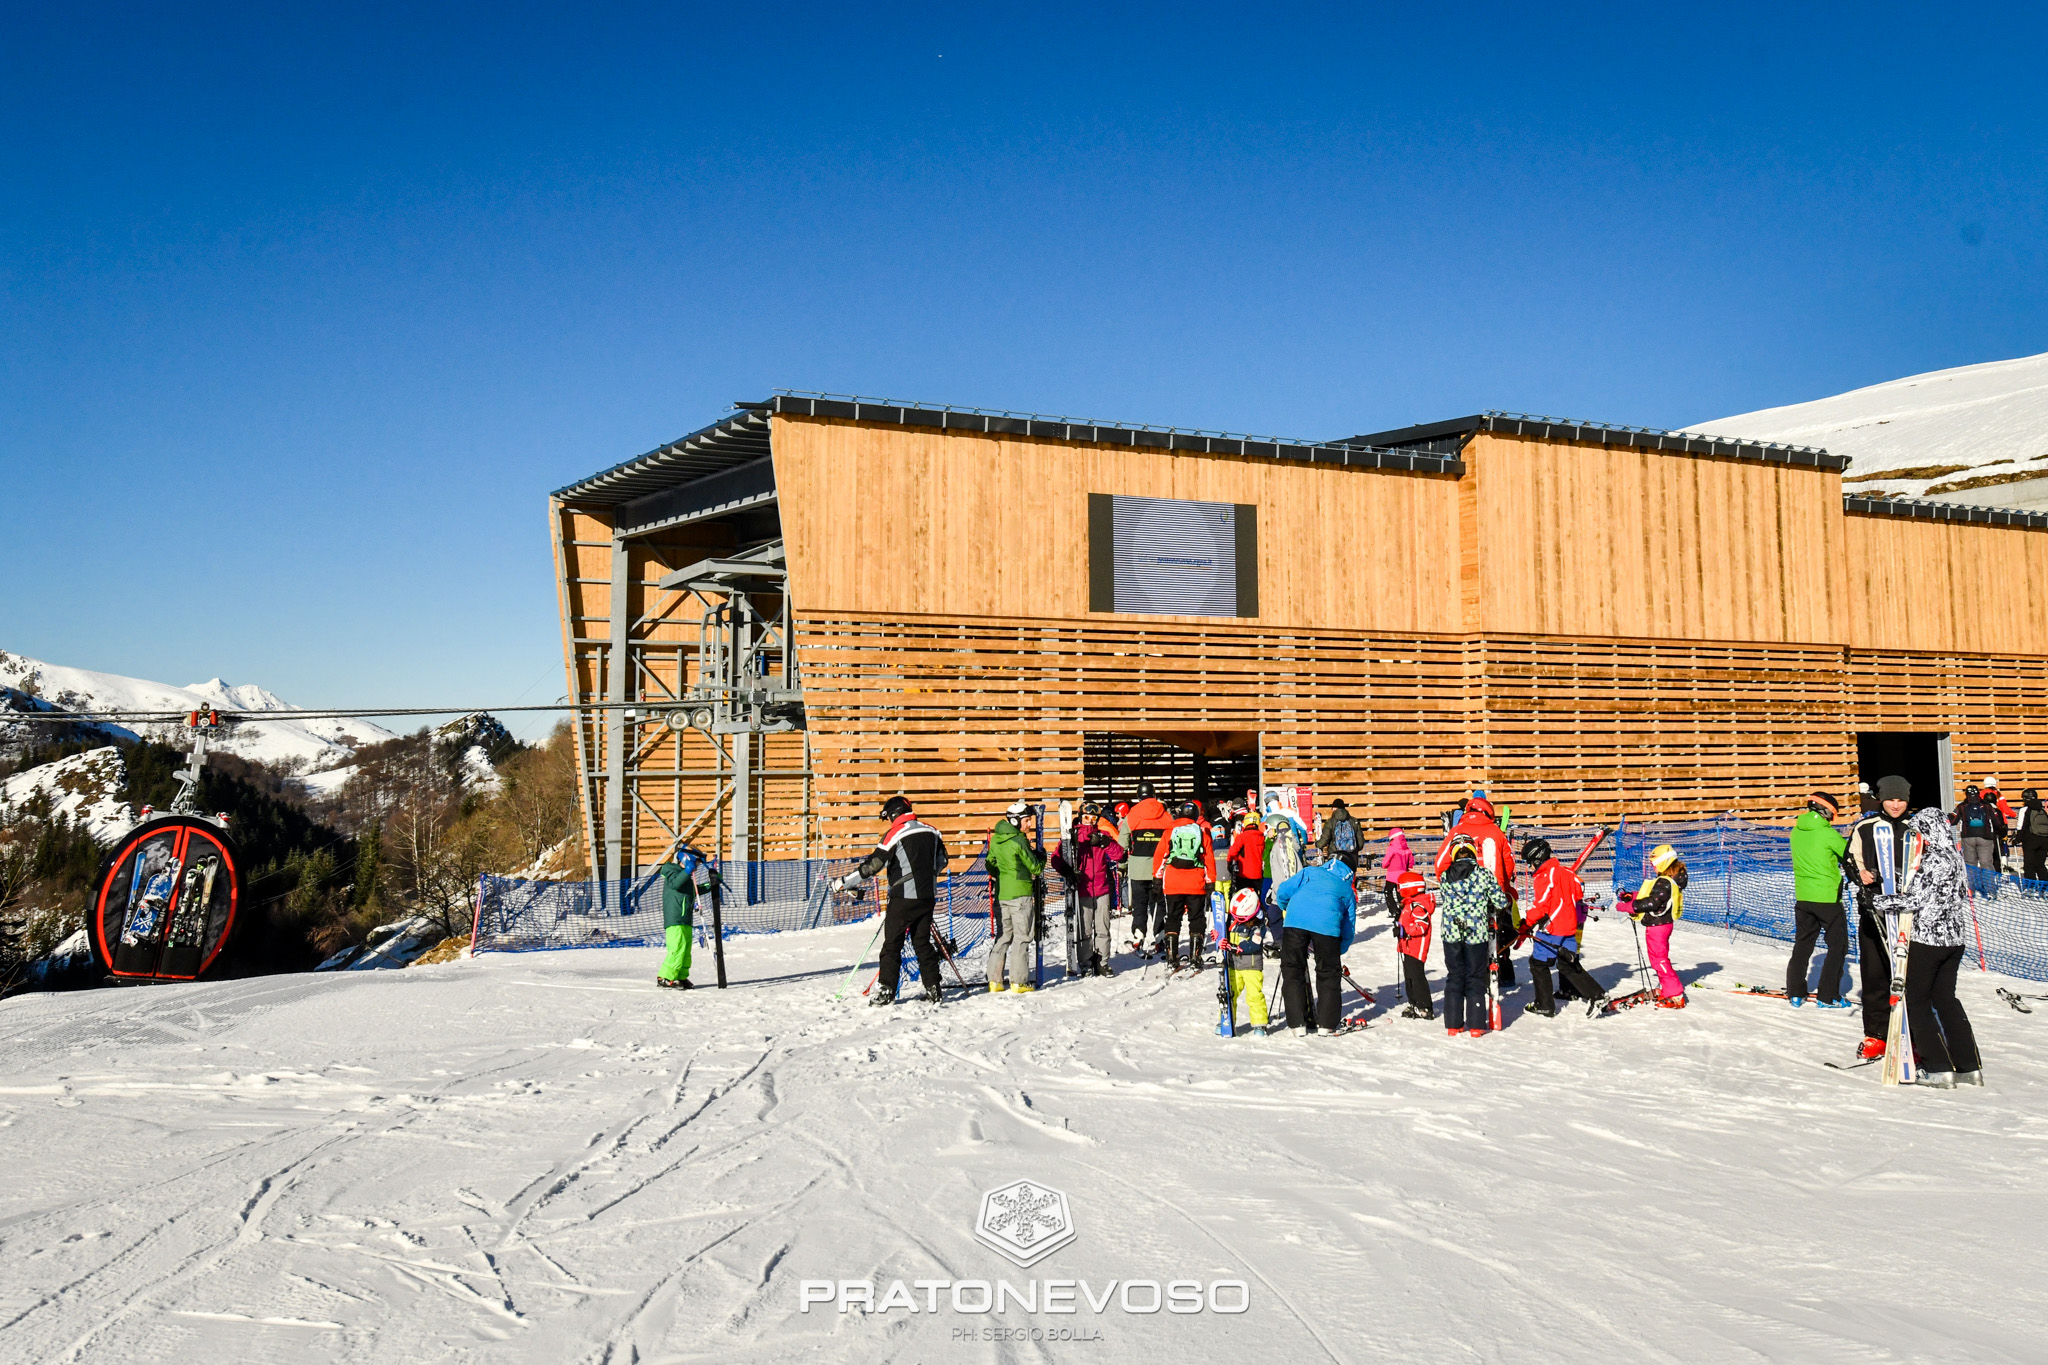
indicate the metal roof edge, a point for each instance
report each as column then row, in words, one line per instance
column 1607, row 433
column 744, row 413
column 1925, row 509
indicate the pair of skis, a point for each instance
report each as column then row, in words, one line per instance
column 2018, row 1001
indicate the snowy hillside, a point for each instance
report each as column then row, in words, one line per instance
column 1977, row 434
column 83, row 789
column 319, row 749
column 540, row 1157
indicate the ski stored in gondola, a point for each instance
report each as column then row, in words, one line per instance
column 165, row 901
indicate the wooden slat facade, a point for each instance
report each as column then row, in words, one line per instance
column 1583, row 630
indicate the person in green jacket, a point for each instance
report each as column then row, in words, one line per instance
column 1817, row 849
column 1015, row 866
column 681, row 882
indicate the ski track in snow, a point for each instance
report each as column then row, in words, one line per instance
column 541, row 1157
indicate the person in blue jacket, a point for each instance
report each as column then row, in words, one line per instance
column 1319, row 915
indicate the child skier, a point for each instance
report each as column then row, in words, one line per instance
column 1246, row 960
column 1411, row 929
column 1471, row 903
column 680, row 887
column 1554, row 925
column 1658, row 905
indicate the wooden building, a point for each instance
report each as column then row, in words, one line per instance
column 814, row 603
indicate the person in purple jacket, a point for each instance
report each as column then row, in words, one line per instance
column 1084, row 862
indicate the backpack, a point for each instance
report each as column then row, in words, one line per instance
column 1344, row 835
column 1976, row 820
column 1184, row 846
column 2037, row 822
column 1283, row 853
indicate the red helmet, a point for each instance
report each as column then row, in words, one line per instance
column 1482, row 805
column 1123, row 808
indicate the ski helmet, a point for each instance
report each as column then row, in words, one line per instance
column 1482, row 805
column 895, row 807
column 1146, row 791
column 1123, row 808
column 1244, row 906
column 1536, row 852
column 1464, row 848
column 1190, row 811
column 1663, row 856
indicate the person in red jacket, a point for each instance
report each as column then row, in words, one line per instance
column 1478, row 825
column 1418, row 907
column 1246, row 860
column 1553, row 923
column 1185, row 867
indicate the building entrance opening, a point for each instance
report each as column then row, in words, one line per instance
column 1203, row 766
column 1919, row 758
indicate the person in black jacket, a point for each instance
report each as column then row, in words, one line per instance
column 915, row 857
column 1880, row 851
column 1982, row 827
column 2033, row 836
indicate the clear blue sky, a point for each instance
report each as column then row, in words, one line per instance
column 303, row 311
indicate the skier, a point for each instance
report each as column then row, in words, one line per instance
column 1247, row 966
column 1320, row 918
column 680, row 887
column 2031, row 825
column 1659, row 905
column 1141, row 831
column 1469, row 902
column 1184, row 864
column 1400, row 858
column 1341, row 838
column 1282, row 860
column 915, row 858
column 1933, row 893
column 1479, row 825
column 1880, row 850
column 1015, row 866
column 1983, row 829
column 1554, row 925
column 1411, row 930
column 1086, row 861
column 1246, row 859
column 1817, row 902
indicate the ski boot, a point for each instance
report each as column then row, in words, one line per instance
column 1672, row 1002
column 884, row 995
column 1596, row 1004
column 1872, row 1049
column 1796, row 1001
column 997, row 987
column 672, row 983
column 1970, row 1077
column 1547, row 1011
column 931, row 995
column 1936, row 1080
column 1840, row 1004
column 1104, row 970
column 1410, row 1012
column 1022, row 989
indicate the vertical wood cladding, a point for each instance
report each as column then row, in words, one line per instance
column 1587, row 632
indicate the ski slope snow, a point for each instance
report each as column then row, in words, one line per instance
column 540, row 1157
column 320, row 750
column 1974, row 434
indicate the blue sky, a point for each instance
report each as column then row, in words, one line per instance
column 303, row 311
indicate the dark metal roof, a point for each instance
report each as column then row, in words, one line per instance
column 726, row 443
column 1920, row 509
column 943, row 417
column 1450, row 436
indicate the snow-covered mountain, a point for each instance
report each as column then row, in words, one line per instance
column 319, row 750
column 1975, row 434
column 83, row 789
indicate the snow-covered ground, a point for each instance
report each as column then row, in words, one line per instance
column 320, row 749
column 1974, row 434
column 82, row 788
column 542, row 1158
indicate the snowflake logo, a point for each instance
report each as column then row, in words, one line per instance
column 1025, row 1221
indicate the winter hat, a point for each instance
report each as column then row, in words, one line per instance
column 1017, row 808
column 1823, row 799
column 1894, row 788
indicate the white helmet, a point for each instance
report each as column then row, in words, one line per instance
column 1244, row 906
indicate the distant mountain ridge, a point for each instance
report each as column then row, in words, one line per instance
column 320, row 751
column 1973, row 434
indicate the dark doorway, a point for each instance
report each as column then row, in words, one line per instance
column 1114, row 764
column 1915, row 757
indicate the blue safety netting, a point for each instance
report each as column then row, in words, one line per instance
column 764, row 897
column 1740, row 879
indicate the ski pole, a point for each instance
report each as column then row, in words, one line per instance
column 875, row 937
